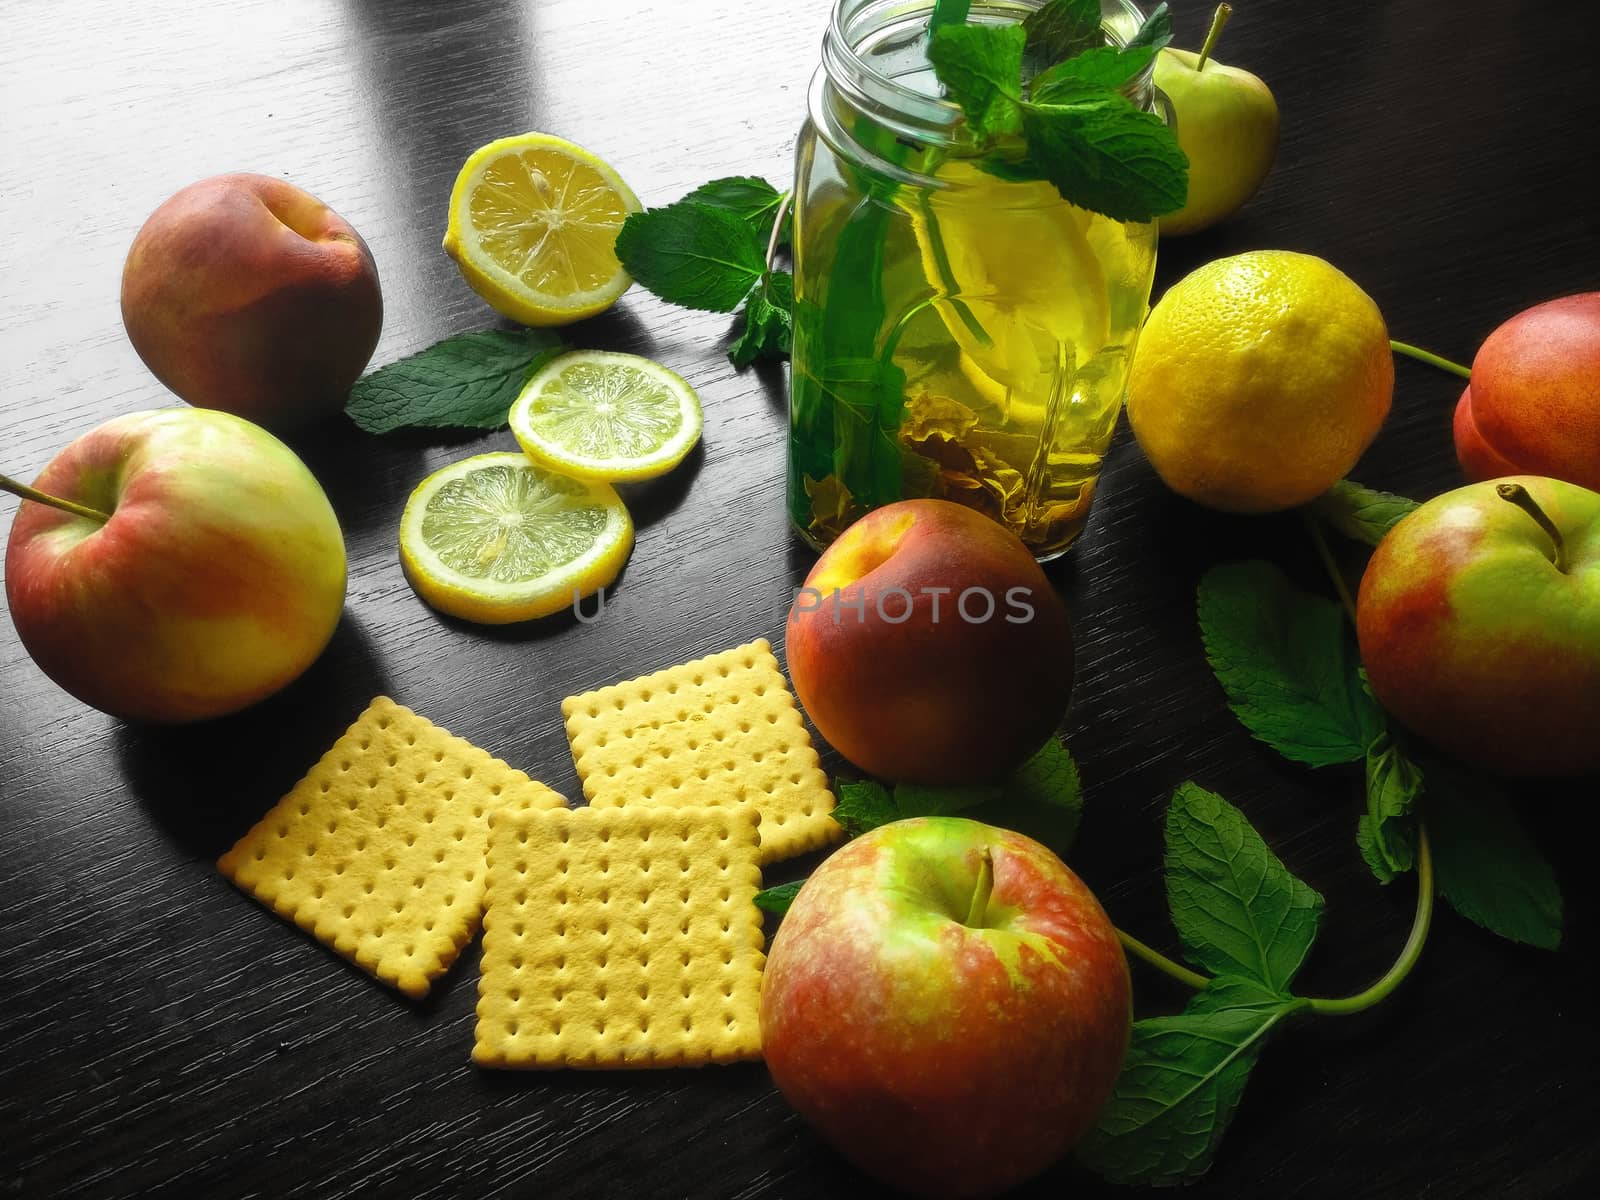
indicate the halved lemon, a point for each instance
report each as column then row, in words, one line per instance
column 496, row 539
column 533, row 227
column 597, row 414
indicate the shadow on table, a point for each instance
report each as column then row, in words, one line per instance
column 204, row 785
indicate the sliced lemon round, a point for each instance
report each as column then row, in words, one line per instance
column 1011, row 292
column 597, row 414
column 496, row 538
column 533, row 227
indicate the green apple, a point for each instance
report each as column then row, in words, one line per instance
column 1479, row 621
column 1227, row 123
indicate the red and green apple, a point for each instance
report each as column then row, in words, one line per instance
column 947, row 1004
column 1479, row 622
column 200, row 567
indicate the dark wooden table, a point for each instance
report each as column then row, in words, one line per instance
column 159, row 1032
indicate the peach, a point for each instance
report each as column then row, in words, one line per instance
column 246, row 294
column 928, row 647
column 1533, row 404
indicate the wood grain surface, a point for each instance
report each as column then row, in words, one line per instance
column 160, row 1033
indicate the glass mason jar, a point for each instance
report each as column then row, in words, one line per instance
column 956, row 334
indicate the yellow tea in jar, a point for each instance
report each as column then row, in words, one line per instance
column 958, row 334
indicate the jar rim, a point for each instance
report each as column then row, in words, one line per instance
column 934, row 115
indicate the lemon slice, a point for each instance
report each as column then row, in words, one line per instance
column 597, row 414
column 533, row 227
column 1031, row 282
column 496, row 539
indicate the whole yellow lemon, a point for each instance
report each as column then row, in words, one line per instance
column 1259, row 380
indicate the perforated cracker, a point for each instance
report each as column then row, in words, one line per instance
column 720, row 730
column 621, row 938
column 379, row 851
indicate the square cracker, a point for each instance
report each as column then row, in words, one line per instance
column 621, row 938
column 378, row 852
column 723, row 729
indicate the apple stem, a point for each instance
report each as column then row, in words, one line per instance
column 1218, row 20
column 1409, row 954
column 1515, row 493
column 1433, row 360
column 18, row 488
column 982, row 892
column 1161, row 962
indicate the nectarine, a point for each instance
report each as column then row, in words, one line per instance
column 928, row 647
column 244, row 293
column 1533, row 404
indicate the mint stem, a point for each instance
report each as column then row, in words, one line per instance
column 1515, row 493
column 1331, row 564
column 777, row 228
column 1395, row 975
column 1433, row 360
column 1218, row 20
column 948, row 12
column 67, row 506
column 1161, row 962
column 981, row 893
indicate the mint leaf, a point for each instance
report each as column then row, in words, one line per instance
column 1235, row 905
column 1156, row 31
column 1360, row 512
column 692, row 254
column 753, row 200
column 1043, row 798
column 1386, row 833
column 1486, row 865
column 980, row 67
column 1102, row 67
column 1181, row 1084
column 1063, row 28
column 863, row 804
column 778, row 898
column 920, row 800
column 948, row 12
column 1103, row 154
column 468, row 381
column 1287, row 663
column 768, row 330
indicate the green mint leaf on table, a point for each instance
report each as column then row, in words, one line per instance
column 1236, row 907
column 1103, row 154
column 768, row 330
column 753, row 200
column 1062, row 28
column 1043, row 798
column 1360, row 512
column 1101, row 67
column 1156, row 32
column 864, row 804
column 1181, row 1084
column 920, row 800
column 1287, row 663
column 778, row 898
column 1486, row 865
column 468, row 381
column 980, row 67
column 1386, row 833
column 693, row 254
